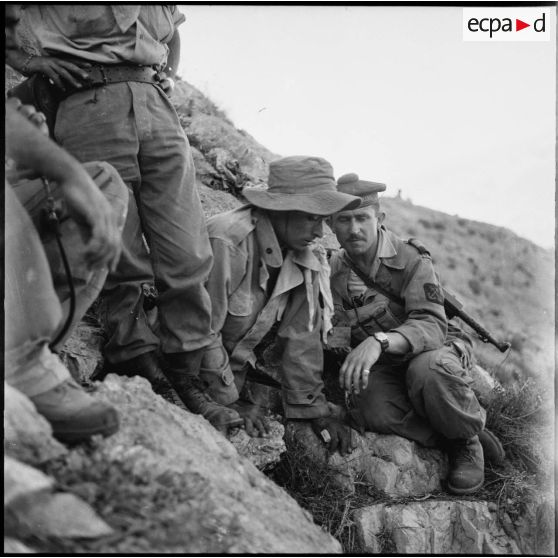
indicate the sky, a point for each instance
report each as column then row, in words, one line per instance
column 394, row 94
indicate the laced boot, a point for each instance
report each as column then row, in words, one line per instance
column 145, row 365
column 74, row 415
column 182, row 371
column 466, row 466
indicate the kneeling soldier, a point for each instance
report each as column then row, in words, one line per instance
column 408, row 367
column 266, row 269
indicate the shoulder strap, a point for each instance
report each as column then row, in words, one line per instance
column 415, row 243
column 369, row 283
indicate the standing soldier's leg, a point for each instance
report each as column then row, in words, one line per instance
column 99, row 124
column 181, row 256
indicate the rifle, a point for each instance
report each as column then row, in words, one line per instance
column 454, row 308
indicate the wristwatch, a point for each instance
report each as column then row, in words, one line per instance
column 382, row 339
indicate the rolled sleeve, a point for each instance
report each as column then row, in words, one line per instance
column 426, row 325
column 178, row 18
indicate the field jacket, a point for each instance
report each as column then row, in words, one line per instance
column 246, row 251
column 401, row 269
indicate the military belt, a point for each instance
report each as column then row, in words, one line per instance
column 99, row 75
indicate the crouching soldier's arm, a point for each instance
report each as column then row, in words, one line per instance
column 229, row 269
column 302, row 365
column 28, row 147
column 425, row 326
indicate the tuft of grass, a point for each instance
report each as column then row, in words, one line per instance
column 519, row 415
column 312, row 486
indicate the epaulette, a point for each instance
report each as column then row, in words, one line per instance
column 415, row 243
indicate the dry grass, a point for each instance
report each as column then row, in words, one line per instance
column 521, row 416
column 313, row 488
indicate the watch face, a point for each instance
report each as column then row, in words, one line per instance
column 382, row 338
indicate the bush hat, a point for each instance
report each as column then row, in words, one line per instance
column 301, row 183
column 366, row 190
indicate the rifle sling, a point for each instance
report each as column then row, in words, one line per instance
column 369, row 283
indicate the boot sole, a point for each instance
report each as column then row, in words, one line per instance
column 462, row 491
column 65, row 434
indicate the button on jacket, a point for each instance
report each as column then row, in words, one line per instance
column 245, row 303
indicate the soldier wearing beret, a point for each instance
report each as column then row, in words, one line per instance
column 407, row 367
column 267, row 269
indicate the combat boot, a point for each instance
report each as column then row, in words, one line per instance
column 466, row 466
column 182, row 371
column 145, row 365
column 74, row 415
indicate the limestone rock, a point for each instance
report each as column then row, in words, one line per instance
column 13, row 546
column 391, row 464
column 157, row 439
column 63, row 515
column 208, row 132
column 432, row 527
column 262, row 452
column 22, row 481
column 27, row 434
column 82, row 351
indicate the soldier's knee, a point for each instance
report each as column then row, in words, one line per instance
column 381, row 416
column 421, row 370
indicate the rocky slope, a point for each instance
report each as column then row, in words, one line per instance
column 167, row 482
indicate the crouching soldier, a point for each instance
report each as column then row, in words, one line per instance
column 87, row 206
column 407, row 368
column 266, row 269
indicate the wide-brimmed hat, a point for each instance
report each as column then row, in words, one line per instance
column 301, row 183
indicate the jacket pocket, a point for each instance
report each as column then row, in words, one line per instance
column 240, row 303
column 383, row 317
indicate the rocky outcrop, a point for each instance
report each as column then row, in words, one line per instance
column 433, row 527
column 227, row 504
column 157, row 438
column 390, row 464
column 225, row 158
column 31, row 508
column 27, row 435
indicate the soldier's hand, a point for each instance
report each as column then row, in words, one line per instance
column 255, row 423
column 166, row 83
column 38, row 119
column 60, row 72
column 90, row 208
column 334, row 434
column 355, row 370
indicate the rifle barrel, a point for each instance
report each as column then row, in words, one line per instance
column 483, row 333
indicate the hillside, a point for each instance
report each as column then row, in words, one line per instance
column 168, row 482
column 504, row 281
